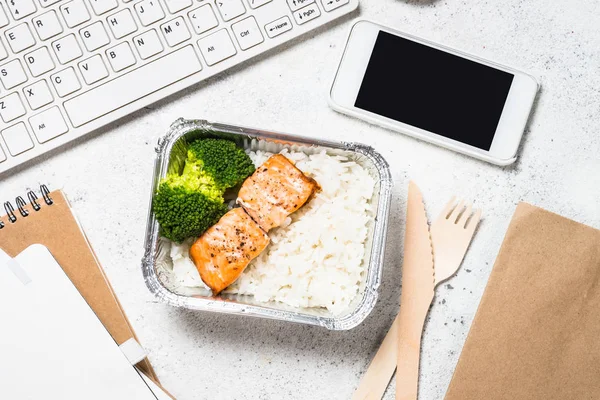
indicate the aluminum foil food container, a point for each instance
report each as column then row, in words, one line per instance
column 157, row 259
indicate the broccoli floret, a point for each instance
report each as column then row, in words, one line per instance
column 183, row 212
column 189, row 199
column 220, row 160
column 195, row 182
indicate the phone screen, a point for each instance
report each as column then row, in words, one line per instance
column 433, row 90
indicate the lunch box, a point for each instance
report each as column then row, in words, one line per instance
column 157, row 263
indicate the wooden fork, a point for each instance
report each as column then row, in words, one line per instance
column 451, row 234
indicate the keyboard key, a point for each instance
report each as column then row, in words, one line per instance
column 298, row 4
column 3, row 18
column 110, row 96
column 12, row 74
column 38, row 94
column 11, row 107
column 120, row 57
column 258, row 3
column 175, row 32
column 247, row 33
column 39, row 61
column 65, row 82
column 230, row 9
column 19, row 38
column 149, row 11
column 75, row 13
column 148, row 44
column 330, row 5
column 306, row 14
column 102, row 6
column 67, row 49
column 93, row 69
column 17, row 139
column 48, row 124
column 3, row 52
column 2, row 155
column 217, row 47
column 48, row 3
column 21, row 8
column 122, row 23
column 203, row 19
column 278, row 26
column 177, row 5
column 47, row 25
column 94, row 36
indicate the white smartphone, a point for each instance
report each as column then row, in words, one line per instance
column 433, row 93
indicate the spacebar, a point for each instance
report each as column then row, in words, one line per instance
column 132, row 86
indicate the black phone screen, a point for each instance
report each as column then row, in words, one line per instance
column 433, row 90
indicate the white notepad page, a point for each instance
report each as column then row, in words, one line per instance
column 52, row 345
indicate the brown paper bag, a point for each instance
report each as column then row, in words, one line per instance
column 536, row 334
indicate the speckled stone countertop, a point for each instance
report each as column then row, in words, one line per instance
column 207, row 356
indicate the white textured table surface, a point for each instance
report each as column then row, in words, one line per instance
column 206, row 356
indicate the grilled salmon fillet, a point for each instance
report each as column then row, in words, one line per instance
column 275, row 190
column 222, row 253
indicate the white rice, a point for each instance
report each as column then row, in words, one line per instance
column 315, row 258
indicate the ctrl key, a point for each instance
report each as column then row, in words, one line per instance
column 17, row 139
column 48, row 124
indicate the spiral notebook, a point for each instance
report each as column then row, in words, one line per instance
column 47, row 219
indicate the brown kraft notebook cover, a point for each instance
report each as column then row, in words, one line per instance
column 56, row 227
column 536, row 334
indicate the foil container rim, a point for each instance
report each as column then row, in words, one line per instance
column 181, row 127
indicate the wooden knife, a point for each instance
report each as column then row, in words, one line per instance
column 417, row 294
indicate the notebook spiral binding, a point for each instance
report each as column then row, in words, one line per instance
column 21, row 204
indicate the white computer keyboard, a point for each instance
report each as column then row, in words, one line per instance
column 68, row 67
